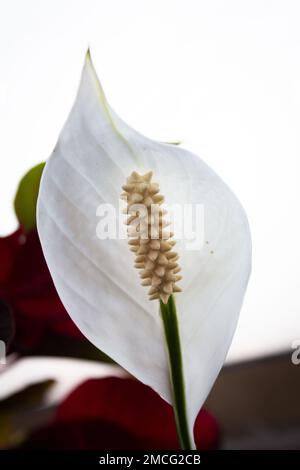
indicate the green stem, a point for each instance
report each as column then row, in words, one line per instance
column 169, row 318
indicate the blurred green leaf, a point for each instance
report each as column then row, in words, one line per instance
column 27, row 398
column 64, row 346
column 17, row 411
column 26, row 197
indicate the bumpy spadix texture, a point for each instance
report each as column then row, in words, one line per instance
column 150, row 238
column 96, row 279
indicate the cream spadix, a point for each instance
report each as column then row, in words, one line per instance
column 149, row 239
column 96, row 279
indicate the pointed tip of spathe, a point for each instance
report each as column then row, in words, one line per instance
column 88, row 61
column 88, row 57
column 90, row 71
column 88, row 66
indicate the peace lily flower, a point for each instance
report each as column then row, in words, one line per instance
column 178, row 351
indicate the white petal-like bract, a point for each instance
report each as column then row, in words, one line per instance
column 96, row 279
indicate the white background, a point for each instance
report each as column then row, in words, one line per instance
column 221, row 76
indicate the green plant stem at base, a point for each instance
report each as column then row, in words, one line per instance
column 170, row 323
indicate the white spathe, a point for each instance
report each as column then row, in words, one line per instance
column 96, row 279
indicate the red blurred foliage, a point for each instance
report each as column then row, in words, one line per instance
column 118, row 414
column 9, row 248
column 26, row 284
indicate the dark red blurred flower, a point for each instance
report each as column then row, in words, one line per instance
column 9, row 248
column 26, row 284
column 123, row 414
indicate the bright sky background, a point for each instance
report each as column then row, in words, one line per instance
column 221, row 76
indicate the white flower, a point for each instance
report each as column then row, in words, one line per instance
column 96, row 279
